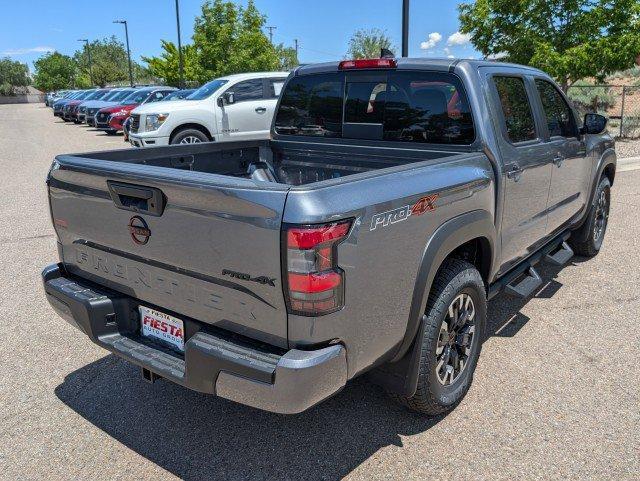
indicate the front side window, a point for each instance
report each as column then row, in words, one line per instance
column 560, row 119
column 248, row 90
column 516, row 109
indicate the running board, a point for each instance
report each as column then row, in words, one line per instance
column 560, row 256
column 526, row 284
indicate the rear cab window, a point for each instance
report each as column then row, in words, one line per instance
column 400, row 106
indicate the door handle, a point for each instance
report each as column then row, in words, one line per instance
column 558, row 159
column 514, row 172
column 261, row 110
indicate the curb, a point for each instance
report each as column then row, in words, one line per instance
column 628, row 163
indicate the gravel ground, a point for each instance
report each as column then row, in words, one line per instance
column 628, row 148
column 555, row 394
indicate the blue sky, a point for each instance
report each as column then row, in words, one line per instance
column 322, row 27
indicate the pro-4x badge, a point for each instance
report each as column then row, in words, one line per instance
column 424, row 204
column 247, row 277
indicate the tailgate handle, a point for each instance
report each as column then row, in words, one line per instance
column 137, row 198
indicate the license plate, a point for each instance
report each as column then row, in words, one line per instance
column 163, row 327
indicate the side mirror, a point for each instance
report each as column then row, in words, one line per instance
column 594, row 124
column 229, row 98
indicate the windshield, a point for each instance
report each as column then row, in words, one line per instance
column 97, row 95
column 207, row 90
column 118, row 95
column 179, row 95
column 84, row 95
column 136, row 97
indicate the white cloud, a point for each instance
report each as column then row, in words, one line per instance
column 459, row 39
column 23, row 51
column 497, row 56
column 433, row 40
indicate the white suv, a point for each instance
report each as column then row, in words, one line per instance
column 236, row 107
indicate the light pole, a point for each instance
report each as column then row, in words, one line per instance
column 405, row 28
column 86, row 42
column 180, row 61
column 126, row 33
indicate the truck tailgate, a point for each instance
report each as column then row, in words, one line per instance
column 195, row 244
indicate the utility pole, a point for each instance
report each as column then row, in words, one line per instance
column 297, row 47
column 405, row 28
column 126, row 33
column 86, row 42
column 271, row 29
column 180, row 61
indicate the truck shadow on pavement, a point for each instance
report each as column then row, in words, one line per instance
column 196, row 436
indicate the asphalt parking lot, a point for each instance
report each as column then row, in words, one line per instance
column 555, row 395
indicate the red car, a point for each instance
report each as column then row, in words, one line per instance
column 110, row 119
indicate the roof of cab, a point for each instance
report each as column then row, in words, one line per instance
column 436, row 64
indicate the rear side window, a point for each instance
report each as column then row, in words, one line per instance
column 312, row 105
column 425, row 107
column 560, row 119
column 275, row 87
column 516, row 109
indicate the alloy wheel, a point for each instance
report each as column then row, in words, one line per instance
column 602, row 215
column 190, row 139
column 455, row 341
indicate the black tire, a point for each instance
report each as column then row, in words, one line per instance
column 587, row 240
column 433, row 397
column 189, row 136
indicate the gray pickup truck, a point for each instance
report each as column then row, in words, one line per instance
column 394, row 199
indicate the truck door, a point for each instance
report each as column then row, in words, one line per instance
column 571, row 171
column 527, row 165
column 247, row 117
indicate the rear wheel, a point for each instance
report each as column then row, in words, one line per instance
column 587, row 240
column 189, row 136
column 452, row 339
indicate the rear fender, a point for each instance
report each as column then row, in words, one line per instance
column 401, row 373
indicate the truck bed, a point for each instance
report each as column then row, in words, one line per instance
column 293, row 163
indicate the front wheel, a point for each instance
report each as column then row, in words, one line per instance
column 454, row 324
column 587, row 240
column 189, row 136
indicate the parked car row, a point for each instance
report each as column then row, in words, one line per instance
column 236, row 107
column 106, row 109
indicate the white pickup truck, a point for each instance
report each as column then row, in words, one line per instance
column 236, row 107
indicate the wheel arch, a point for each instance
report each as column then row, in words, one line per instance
column 190, row 125
column 472, row 234
column 473, row 230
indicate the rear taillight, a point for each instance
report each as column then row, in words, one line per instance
column 315, row 282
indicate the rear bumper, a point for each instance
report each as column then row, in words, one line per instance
column 214, row 361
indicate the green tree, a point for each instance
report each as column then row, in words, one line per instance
column 109, row 63
column 54, row 71
column 12, row 74
column 229, row 39
column 287, row 57
column 167, row 66
column 570, row 39
column 368, row 43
